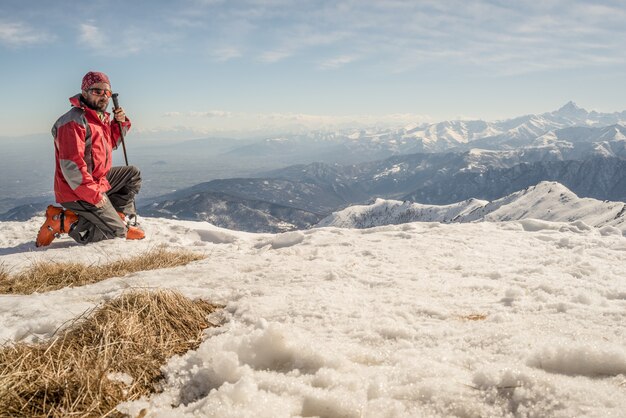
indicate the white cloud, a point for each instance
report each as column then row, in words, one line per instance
column 313, row 121
column 199, row 114
column 225, row 54
column 16, row 34
column 131, row 40
column 337, row 62
column 399, row 36
column 274, row 56
column 534, row 36
column 211, row 114
column 92, row 37
column 523, row 37
column 242, row 123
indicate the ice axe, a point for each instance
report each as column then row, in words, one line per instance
column 116, row 104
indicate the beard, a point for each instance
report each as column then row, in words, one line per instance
column 99, row 103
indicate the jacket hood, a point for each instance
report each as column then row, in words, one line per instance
column 75, row 101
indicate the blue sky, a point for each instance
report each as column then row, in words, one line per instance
column 243, row 67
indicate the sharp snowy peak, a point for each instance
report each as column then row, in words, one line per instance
column 547, row 201
column 551, row 201
column 571, row 108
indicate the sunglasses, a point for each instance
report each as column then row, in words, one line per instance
column 100, row 92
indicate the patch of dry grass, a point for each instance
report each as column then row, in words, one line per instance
column 473, row 317
column 4, row 274
column 46, row 276
column 111, row 356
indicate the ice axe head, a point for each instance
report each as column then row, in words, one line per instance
column 116, row 104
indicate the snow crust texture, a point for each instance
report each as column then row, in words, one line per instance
column 514, row 319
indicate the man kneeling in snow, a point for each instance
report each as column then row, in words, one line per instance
column 96, row 197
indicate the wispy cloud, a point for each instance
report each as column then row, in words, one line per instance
column 333, row 121
column 337, row 62
column 226, row 54
column 516, row 38
column 92, row 37
column 199, row 114
column 16, row 34
column 220, row 121
column 211, row 114
column 275, row 56
column 391, row 35
column 503, row 37
column 131, row 40
column 300, row 40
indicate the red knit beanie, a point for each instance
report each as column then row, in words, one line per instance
column 93, row 77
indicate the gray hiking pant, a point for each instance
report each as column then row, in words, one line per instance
column 96, row 224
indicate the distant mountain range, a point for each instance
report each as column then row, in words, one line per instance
column 548, row 201
column 514, row 133
column 307, row 193
column 459, row 160
column 523, row 132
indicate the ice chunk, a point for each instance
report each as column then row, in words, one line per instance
column 586, row 360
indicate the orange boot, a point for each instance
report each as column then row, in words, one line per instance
column 58, row 221
column 135, row 232
column 132, row 232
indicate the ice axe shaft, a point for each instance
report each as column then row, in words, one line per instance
column 116, row 104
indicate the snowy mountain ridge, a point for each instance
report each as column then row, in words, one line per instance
column 357, row 145
column 547, row 201
column 569, row 115
column 519, row 131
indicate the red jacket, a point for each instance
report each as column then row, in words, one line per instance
column 83, row 147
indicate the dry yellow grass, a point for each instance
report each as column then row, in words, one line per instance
column 473, row 317
column 81, row 371
column 46, row 276
column 4, row 273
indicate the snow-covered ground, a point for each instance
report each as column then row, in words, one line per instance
column 520, row 318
